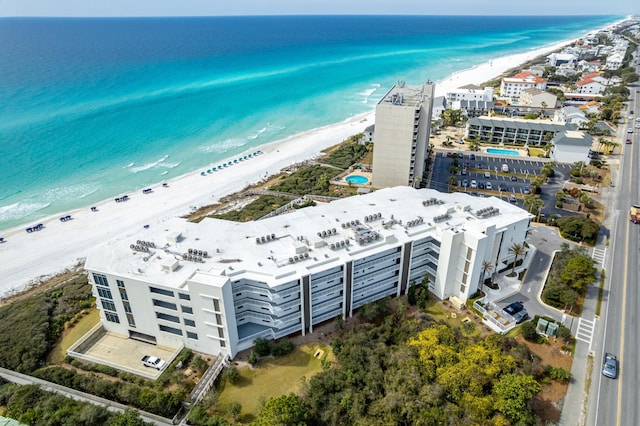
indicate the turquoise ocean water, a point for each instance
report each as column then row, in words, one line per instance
column 92, row 108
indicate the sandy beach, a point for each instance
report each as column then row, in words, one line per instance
column 26, row 258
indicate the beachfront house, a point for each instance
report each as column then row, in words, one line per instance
column 571, row 146
column 537, row 98
column 401, row 140
column 512, row 87
column 513, row 131
column 593, row 83
column 216, row 286
column 470, row 92
column 570, row 115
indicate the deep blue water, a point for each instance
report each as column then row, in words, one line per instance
column 90, row 108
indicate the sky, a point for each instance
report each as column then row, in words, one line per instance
column 122, row 8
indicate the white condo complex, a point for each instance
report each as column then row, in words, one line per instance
column 215, row 286
column 401, row 138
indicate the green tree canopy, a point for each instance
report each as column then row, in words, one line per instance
column 286, row 410
column 514, row 393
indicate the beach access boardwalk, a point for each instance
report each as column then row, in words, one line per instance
column 23, row 379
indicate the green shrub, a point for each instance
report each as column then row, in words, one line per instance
column 262, row 346
column 282, row 347
column 528, row 330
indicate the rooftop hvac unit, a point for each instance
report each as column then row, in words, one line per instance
column 273, row 236
column 320, row 234
column 268, row 237
column 295, row 258
column 366, row 219
column 291, row 260
column 138, row 242
column 333, row 246
column 258, row 240
column 132, row 246
column 357, row 221
column 205, row 254
column 306, row 255
column 199, row 259
column 333, row 230
column 324, row 234
column 185, row 255
column 152, row 245
column 353, row 222
column 343, row 225
column 347, row 242
column 262, row 239
column 190, row 251
column 342, row 243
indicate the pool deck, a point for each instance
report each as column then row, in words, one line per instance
column 341, row 180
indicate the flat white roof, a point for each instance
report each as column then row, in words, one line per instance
column 233, row 251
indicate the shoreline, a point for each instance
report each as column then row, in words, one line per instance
column 31, row 257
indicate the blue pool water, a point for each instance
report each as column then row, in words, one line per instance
column 503, row 151
column 358, row 180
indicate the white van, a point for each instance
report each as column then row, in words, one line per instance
column 505, row 168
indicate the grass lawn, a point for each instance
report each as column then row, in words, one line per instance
column 439, row 312
column 72, row 334
column 273, row 377
column 536, row 152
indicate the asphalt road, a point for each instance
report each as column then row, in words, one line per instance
column 618, row 401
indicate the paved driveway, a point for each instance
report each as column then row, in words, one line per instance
column 546, row 240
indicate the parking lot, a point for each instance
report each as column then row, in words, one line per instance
column 486, row 175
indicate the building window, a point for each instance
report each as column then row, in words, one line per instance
column 164, row 304
column 120, row 283
column 100, row 280
column 171, row 330
column 104, row 293
column 187, row 309
column 220, row 332
column 111, row 317
column 132, row 322
column 123, row 294
column 167, row 317
column 223, row 344
column 127, row 306
column 191, row 335
column 216, row 305
column 462, row 288
column 190, row 323
column 218, row 319
column 108, row 305
column 184, row 296
column 161, row 291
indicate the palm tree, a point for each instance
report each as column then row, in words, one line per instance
column 486, row 267
column 516, row 250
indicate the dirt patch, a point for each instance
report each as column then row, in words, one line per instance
column 548, row 403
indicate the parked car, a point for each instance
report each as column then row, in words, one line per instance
column 464, row 172
column 472, row 156
column 489, row 185
column 487, row 174
column 448, row 154
column 512, row 198
column 153, row 362
column 505, row 168
column 465, row 183
column 628, row 141
column 514, row 178
column 610, row 366
column 514, row 308
column 503, row 187
column 480, row 185
column 521, row 316
column 474, row 184
column 527, row 190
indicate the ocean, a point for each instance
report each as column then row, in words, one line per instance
column 94, row 108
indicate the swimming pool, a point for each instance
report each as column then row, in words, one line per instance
column 503, row 151
column 358, row 180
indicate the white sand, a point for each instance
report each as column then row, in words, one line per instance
column 25, row 258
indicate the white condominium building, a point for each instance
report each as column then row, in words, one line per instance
column 512, row 87
column 401, row 139
column 216, row 286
